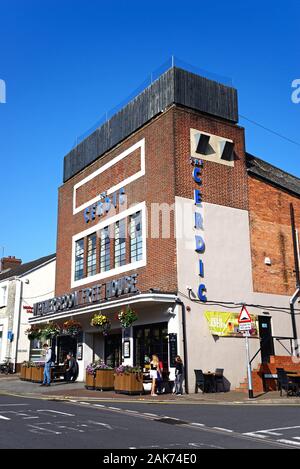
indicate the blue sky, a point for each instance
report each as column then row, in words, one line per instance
column 67, row 62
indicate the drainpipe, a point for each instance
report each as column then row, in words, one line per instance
column 16, row 320
column 185, row 353
column 296, row 295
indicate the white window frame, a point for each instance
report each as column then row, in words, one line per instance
column 3, row 295
column 103, row 224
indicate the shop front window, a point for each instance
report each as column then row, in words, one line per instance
column 149, row 340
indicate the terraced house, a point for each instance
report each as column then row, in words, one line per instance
column 163, row 210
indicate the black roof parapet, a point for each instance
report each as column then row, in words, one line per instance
column 175, row 86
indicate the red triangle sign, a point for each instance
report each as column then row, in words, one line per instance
column 244, row 316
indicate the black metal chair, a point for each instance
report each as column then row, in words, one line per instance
column 286, row 384
column 219, row 379
column 200, row 381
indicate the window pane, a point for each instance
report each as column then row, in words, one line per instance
column 91, row 257
column 79, row 256
column 136, row 241
column 104, row 250
column 120, row 243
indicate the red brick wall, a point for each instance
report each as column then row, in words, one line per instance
column 222, row 185
column 157, row 186
column 271, row 236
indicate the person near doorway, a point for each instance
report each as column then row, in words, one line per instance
column 71, row 371
column 155, row 373
column 179, row 376
column 48, row 363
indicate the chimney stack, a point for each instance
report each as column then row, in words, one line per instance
column 9, row 262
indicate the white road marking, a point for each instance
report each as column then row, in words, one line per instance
column 289, row 442
column 4, row 418
column 9, row 405
column 270, row 433
column 47, row 430
column 114, row 408
column 255, row 435
column 153, row 415
column 131, row 411
column 99, row 405
column 296, row 437
column 85, row 403
column 56, row 412
column 198, row 424
column 223, row 429
column 106, row 425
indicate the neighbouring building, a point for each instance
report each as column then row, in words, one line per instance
column 21, row 285
column 162, row 209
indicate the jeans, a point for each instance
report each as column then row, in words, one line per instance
column 178, row 384
column 47, row 373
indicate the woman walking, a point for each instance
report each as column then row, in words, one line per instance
column 155, row 373
column 179, row 376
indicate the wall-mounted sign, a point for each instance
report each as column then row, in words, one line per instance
column 225, row 324
column 126, row 349
column 198, row 224
column 173, row 348
column 104, row 205
column 96, row 294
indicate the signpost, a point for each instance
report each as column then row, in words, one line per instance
column 245, row 326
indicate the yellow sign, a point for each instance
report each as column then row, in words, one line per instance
column 224, row 324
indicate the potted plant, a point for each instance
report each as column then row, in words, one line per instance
column 37, row 372
column 90, row 376
column 102, row 322
column 71, row 327
column 28, row 371
column 127, row 317
column 23, row 370
column 128, row 380
column 104, row 377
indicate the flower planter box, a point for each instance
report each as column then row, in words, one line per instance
column 23, row 373
column 28, row 372
column 89, row 381
column 131, row 383
column 37, row 374
column 104, row 380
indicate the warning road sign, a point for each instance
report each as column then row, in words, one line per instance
column 244, row 316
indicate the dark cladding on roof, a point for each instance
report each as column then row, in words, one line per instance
column 272, row 174
column 175, row 86
column 27, row 267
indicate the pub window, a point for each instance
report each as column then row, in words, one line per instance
column 120, row 243
column 91, row 255
column 104, row 250
column 79, row 256
column 136, row 240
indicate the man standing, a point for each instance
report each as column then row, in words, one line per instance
column 71, row 368
column 48, row 362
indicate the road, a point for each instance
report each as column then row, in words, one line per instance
column 40, row 423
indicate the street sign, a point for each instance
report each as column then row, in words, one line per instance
column 246, row 326
column 244, row 316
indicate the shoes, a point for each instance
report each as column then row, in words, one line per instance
column 154, row 394
column 43, row 384
column 48, row 384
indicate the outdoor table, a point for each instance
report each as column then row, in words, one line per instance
column 295, row 378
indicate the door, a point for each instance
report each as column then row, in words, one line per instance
column 113, row 350
column 266, row 339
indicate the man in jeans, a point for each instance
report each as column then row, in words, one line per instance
column 48, row 362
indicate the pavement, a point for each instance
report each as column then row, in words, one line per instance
column 12, row 385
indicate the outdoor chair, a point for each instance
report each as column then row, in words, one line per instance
column 200, row 381
column 285, row 384
column 219, row 379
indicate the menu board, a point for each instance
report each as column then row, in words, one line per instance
column 173, row 348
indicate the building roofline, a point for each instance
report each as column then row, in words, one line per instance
column 29, row 267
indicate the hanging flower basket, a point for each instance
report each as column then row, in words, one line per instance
column 127, row 317
column 71, row 327
column 51, row 330
column 34, row 332
column 102, row 322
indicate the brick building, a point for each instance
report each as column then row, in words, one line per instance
column 162, row 209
